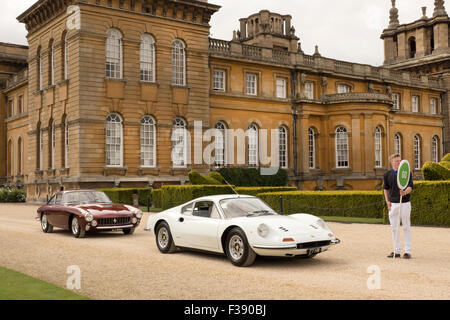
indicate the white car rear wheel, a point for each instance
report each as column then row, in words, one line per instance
column 238, row 250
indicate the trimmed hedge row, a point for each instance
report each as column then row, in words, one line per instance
column 430, row 203
column 125, row 195
column 12, row 195
column 362, row 204
column 251, row 177
column 253, row 191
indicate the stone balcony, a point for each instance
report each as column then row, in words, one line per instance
column 317, row 63
column 17, row 78
column 357, row 97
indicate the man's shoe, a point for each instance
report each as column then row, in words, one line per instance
column 397, row 255
column 407, row 256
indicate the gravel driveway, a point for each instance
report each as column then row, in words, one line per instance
column 114, row 266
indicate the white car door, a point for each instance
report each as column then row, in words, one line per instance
column 200, row 230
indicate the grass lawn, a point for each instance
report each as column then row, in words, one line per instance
column 18, row 286
column 354, row 220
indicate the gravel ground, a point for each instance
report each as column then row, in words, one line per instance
column 114, row 266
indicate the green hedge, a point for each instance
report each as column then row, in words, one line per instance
column 251, row 177
column 253, row 191
column 446, row 157
column 12, row 195
column 172, row 196
column 196, row 178
column 156, row 198
column 433, row 171
column 362, row 204
column 125, row 195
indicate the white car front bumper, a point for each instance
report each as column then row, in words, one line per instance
column 294, row 249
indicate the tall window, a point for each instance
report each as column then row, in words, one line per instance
column 281, row 88
column 21, row 105
column 435, row 149
column 52, row 144
column 51, row 65
column 178, row 63
column 415, row 103
column 10, row 108
column 219, row 80
column 66, row 143
column 148, row 142
column 417, row 153
column 147, row 58
column 41, row 149
column 397, row 144
column 341, row 147
column 179, row 143
column 253, row 145
column 309, row 90
column 114, row 54
column 312, row 148
column 251, row 84
column 40, row 69
column 282, row 145
column 66, row 56
column 344, row 88
column 396, row 99
column 9, row 159
column 114, row 144
column 433, row 106
column 19, row 156
column 220, row 143
column 378, row 148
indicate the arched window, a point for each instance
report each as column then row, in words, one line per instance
column 342, row 148
column 114, row 141
column 20, row 156
column 282, row 145
column 417, row 153
column 65, row 53
column 114, row 54
column 312, row 148
column 39, row 147
column 397, row 144
column 412, row 47
column 178, row 63
column 220, row 143
column 179, row 143
column 148, row 142
column 378, row 147
column 435, row 149
column 147, row 54
column 66, row 143
column 253, row 145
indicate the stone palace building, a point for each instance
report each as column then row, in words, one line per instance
column 100, row 94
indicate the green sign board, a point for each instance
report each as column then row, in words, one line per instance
column 403, row 174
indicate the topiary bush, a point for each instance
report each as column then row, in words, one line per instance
column 446, row 157
column 433, row 171
column 125, row 195
column 172, row 196
column 216, row 176
column 196, row 178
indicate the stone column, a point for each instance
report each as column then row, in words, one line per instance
column 243, row 28
column 356, row 144
column 368, row 148
column 304, row 144
column 440, row 31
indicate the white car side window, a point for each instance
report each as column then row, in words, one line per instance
column 187, row 209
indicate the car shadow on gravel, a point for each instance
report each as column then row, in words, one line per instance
column 94, row 235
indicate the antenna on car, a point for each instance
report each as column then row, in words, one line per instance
column 231, row 187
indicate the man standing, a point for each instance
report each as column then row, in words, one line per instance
column 392, row 195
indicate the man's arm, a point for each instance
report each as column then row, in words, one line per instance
column 386, row 197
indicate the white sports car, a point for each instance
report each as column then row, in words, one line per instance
column 241, row 227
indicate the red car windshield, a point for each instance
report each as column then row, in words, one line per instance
column 83, row 197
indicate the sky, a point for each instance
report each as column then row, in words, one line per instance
column 346, row 30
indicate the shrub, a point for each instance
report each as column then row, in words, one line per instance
column 156, row 198
column 196, row 178
column 172, row 196
column 125, row 195
column 251, row 177
column 216, row 176
column 445, row 164
column 12, row 195
column 253, row 191
column 363, row 204
column 446, row 158
column 433, row 171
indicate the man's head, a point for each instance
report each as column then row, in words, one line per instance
column 395, row 160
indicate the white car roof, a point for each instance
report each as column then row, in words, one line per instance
column 222, row 196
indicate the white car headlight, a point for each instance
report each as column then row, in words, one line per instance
column 263, row 230
column 89, row 217
column 139, row 214
column 323, row 225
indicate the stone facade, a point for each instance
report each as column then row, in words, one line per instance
column 261, row 78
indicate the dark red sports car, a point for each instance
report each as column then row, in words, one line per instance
column 87, row 210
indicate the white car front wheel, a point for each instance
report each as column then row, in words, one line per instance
column 164, row 239
column 238, row 250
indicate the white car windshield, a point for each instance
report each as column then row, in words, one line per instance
column 78, row 197
column 245, row 207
